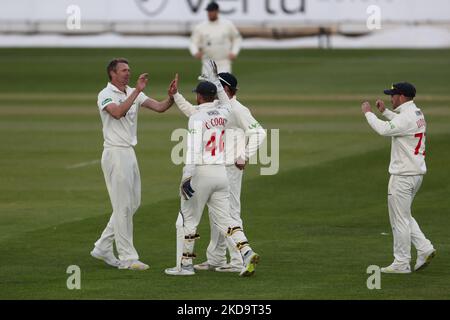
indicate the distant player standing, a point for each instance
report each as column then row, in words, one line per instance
column 205, row 182
column 119, row 105
column 248, row 135
column 216, row 39
column 407, row 128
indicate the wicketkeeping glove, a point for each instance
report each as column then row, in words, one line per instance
column 186, row 190
column 211, row 70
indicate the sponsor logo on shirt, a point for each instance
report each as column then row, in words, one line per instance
column 391, row 125
column 213, row 113
column 106, row 101
column 420, row 123
column 254, row 125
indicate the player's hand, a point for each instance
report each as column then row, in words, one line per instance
column 365, row 107
column 173, row 88
column 380, row 105
column 240, row 164
column 211, row 70
column 141, row 82
column 186, row 190
column 232, row 56
column 198, row 55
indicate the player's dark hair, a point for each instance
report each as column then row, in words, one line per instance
column 207, row 97
column 232, row 90
column 112, row 65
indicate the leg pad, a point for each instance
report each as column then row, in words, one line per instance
column 232, row 230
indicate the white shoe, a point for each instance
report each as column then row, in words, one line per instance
column 107, row 257
column 133, row 265
column 396, row 269
column 183, row 271
column 228, row 268
column 424, row 260
column 251, row 259
column 205, row 266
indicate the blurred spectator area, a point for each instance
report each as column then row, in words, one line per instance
column 322, row 32
column 271, row 30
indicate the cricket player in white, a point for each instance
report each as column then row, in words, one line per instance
column 216, row 39
column 118, row 105
column 205, row 182
column 247, row 137
column 407, row 127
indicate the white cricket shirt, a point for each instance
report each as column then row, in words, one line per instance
column 407, row 128
column 216, row 39
column 119, row 132
column 205, row 140
column 243, row 126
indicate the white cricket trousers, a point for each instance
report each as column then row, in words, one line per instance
column 401, row 192
column 123, row 182
column 216, row 251
column 211, row 187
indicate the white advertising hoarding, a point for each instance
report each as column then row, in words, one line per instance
column 238, row 10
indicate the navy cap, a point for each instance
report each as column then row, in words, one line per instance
column 206, row 88
column 212, row 6
column 227, row 79
column 404, row 88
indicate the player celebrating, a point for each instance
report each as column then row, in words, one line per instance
column 205, row 182
column 407, row 128
column 237, row 152
column 119, row 105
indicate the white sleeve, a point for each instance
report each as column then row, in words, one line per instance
column 141, row 98
column 104, row 99
column 236, row 39
column 253, row 130
column 195, row 43
column 388, row 114
column 185, row 106
column 396, row 127
column 221, row 94
column 223, row 97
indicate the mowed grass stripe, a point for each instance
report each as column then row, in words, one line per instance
column 243, row 96
column 274, row 110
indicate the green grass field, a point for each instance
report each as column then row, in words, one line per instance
column 317, row 224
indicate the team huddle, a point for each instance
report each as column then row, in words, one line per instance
column 222, row 136
column 212, row 174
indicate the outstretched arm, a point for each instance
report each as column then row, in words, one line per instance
column 160, row 106
column 212, row 76
column 185, row 106
column 118, row 111
column 395, row 127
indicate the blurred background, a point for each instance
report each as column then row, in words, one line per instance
column 264, row 23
